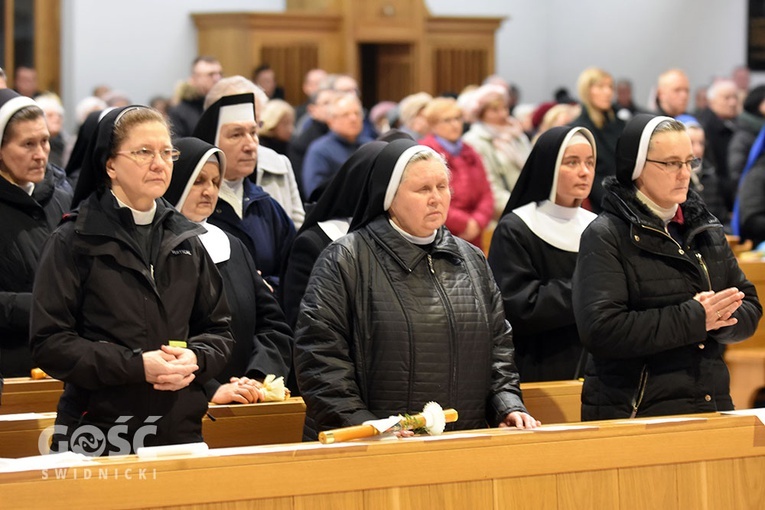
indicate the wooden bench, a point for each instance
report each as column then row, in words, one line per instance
column 26, row 395
column 702, row 461
column 225, row 425
column 746, row 360
column 553, row 402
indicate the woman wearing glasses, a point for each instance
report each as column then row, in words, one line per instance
column 128, row 308
column 657, row 291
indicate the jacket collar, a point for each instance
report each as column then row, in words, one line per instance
column 622, row 201
column 42, row 193
column 406, row 254
column 101, row 213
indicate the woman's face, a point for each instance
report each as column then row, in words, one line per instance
column 602, row 94
column 666, row 187
column 24, row 156
column 139, row 185
column 496, row 111
column 283, row 130
column 575, row 176
column 698, row 141
column 203, row 196
column 449, row 125
column 422, row 200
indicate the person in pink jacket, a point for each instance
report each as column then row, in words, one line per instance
column 472, row 201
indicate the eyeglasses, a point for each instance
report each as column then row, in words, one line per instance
column 446, row 120
column 676, row 166
column 144, row 156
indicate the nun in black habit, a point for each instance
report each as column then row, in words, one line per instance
column 657, row 291
column 262, row 339
column 327, row 221
column 128, row 309
column 400, row 312
column 534, row 249
column 245, row 210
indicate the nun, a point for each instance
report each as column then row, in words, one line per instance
column 657, row 291
column 245, row 210
column 400, row 312
column 128, row 309
column 327, row 221
column 262, row 339
column 534, row 249
column 34, row 195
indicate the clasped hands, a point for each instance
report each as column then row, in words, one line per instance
column 720, row 306
column 240, row 390
column 170, row 368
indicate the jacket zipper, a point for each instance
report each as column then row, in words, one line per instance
column 704, row 268
column 637, row 399
column 699, row 257
column 662, row 232
column 452, row 329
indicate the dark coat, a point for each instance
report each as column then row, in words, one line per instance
column 185, row 115
column 27, row 223
column 633, row 301
column 751, row 199
column 385, row 327
column 99, row 304
column 265, row 229
column 719, row 133
column 605, row 165
column 747, row 128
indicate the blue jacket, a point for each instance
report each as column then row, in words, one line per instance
column 265, row 229
column 324, row 158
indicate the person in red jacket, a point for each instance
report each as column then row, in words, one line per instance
column 472, row 203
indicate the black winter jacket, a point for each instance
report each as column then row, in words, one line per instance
column 385, row 327
column 98, row 304
column 633, row 301
column 27, row 222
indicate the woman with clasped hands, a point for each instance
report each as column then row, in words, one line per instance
column 128, row 309
column 657, row 290
column 400, row 312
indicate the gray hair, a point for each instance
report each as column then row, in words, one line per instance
column 667, row 126
column 230, row 86
column 426, row 156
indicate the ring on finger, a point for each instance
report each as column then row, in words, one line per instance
column 719, row 315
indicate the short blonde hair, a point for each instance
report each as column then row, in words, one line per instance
column 587, row 79
column 438, row 107
column 273, row 112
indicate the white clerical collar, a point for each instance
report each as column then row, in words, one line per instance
column 556, row 225
column 216, row 242
column 232, row 192
column 139, row 217
column 414, row 239
column 663, row 213
column 335, row 228
column 28, row 187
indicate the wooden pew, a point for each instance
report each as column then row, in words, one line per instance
column 707, row 461
column 225, row 425
column 26, row 395
column 746, row 360
column 553, row 402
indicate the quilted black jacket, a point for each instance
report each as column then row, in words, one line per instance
column 386, row 326
column 634, row 308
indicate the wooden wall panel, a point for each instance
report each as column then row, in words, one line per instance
column 290, row 64
column 452, row 496
column 589, row 490
column 529, row 493
column 648, row 487
column 455, row 68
